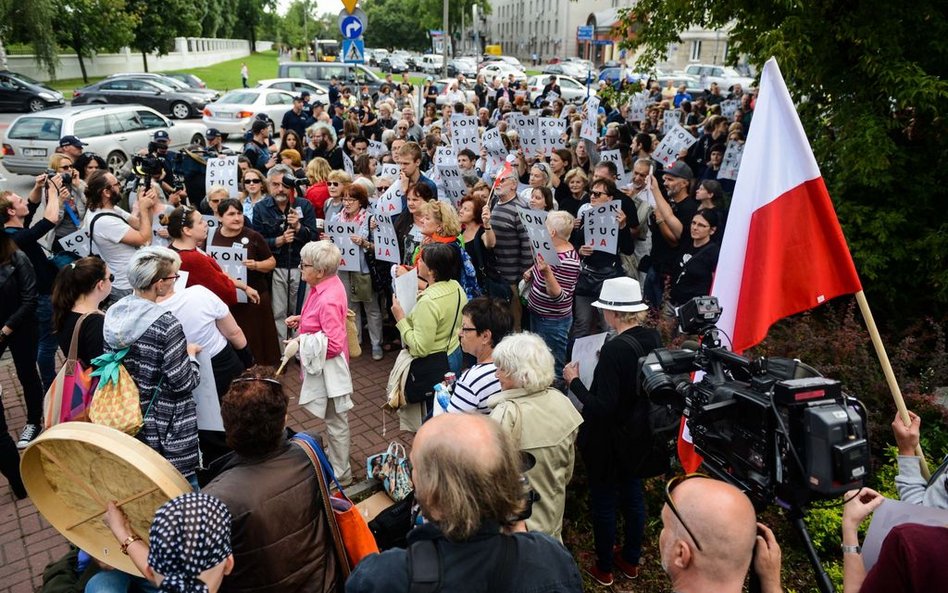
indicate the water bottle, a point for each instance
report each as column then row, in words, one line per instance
column 442, row 396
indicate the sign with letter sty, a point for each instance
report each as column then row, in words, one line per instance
column 232, row 260
column 222, row 171
column 601, row 227
column 534, row 221
column 731, row 163
column 675, row 141
column 530, row 141
column 590, row 129
column 341, row 233
column 464, row 133
column 386, row 241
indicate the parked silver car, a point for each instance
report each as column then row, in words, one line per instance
column 114, row 132
column 234, row 112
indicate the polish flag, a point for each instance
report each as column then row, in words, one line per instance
column 506, row 171
column 783, row 251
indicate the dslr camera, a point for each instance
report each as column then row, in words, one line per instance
column 66, row 177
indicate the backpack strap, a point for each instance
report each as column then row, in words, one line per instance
column 92, row 226
column 424, row 567
column 73, row 353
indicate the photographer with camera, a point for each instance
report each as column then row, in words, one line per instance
column 614, row 439
column 468, row 483
column 257, row 150
column 72, row 203
column 170, row 161
column 287, row 223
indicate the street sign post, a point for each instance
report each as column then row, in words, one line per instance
column 352, row 24
column 585, row 33
column 350, row 5
column 353, row 51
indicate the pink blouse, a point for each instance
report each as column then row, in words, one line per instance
column 325, row 310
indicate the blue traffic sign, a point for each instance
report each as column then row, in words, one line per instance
column 585, row 33
column 351, row 27
column 353, row 51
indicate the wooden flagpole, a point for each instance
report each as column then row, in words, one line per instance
column 889, row 374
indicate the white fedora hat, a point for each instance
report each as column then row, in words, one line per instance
column 621, row 294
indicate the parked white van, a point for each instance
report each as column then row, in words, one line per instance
column 431, row 63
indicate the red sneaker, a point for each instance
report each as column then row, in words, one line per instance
column 603, row 578
column 626, row 569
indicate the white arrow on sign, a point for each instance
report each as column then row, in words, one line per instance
column 353, row 29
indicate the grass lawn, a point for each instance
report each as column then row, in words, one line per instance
column 223, row 76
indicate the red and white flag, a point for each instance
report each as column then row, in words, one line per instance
column 783, row 251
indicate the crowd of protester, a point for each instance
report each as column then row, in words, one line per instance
column 501, row 317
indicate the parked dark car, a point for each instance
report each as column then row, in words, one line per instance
column 393, row 64
column 189, row 79
column 163, row 99
column 18, row 92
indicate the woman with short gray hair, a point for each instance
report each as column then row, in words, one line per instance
column 542, row 421
column 158, row 358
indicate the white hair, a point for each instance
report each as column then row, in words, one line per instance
column 150, row 264
column 323, row 255
column 561, row 222
column 526, row 358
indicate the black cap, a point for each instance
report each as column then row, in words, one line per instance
column 212, row 133
column 71, row 141
column 162, row 136
column 680, row 169
column 318, row 103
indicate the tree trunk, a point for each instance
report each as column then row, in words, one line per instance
column 253, row 39
column 77, row 47
column 145, row 60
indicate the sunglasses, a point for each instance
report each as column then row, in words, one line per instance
column 671, row 485
column 110, row 278
column 599, row 194
column 252, row 181
column 333, row 184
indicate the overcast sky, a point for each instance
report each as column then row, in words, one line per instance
column 331, row 6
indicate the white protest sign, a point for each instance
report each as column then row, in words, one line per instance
column 551, row 96
column 207, row 404
column 496, row 152
column 541, row 243
column 615, row 156
column 222, row 171
column 528, row 129
column 590, row 129
column 212, row 224
column 377, row 149
column 390, row 203
column 731, row 163
column 729, row 107
column 386, row 241
column 675, row 141
column 638, row 108
column 586, row 355
column 347, row 164
column 670, row 119
column 446, row 163
column 406, row 290
column 341, row 233
column 600, row 227
column 390, row 171
column 232, row 260
column 551, row 134
column 464, row 133
column 77, row 242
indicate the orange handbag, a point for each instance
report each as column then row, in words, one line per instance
column 350, row 533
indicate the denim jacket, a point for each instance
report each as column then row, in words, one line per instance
column 269, row 221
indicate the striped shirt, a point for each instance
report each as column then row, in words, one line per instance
column 472, row 389
column 513, row 243
column 566, row 274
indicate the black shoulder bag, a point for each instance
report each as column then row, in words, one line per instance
column 426, row 567
column 426, row 371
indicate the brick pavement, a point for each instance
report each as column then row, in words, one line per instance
column 28, row 543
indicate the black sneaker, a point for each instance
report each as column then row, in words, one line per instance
column 29, row 434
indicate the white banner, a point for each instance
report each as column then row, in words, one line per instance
column 590, row 129
column 391, row 171
column 464, row 133
column 601, row 228
column 347, row 164
column 222, row 171
column 675, row 141
column 77, row 242
column 615, row 156
column 341, row 233
column 377, row 149
column 729, row 107
column 451, row 183
column 528, row 129
column 731, row 163
column 233, row 261
column 638, row 108
column 390, row 203
column 534, row 221
column 551, row 134
column 386, row 241
column 670, row 119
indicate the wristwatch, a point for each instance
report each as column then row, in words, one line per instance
column 129, row 541
column 848, row 549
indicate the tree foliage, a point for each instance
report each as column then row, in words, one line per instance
column 395, row 24
column 872, row 95
column 95, row 25
column 32, row 22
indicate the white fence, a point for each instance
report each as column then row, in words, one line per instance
column 189, row 52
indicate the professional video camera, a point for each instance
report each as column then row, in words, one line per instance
column 773, row 427
column 298, row 183
column 146, row 167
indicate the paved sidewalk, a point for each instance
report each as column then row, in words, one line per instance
column 28, row 543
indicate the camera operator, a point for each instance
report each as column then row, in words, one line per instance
column 159, row 148
column 473, row 547
column 287, row 224
column 258, row 148
column 709, row 535
column 912, row 486
column 72, row 205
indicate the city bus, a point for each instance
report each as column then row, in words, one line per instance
column 326, row 50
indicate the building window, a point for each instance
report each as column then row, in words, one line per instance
column 696, row 50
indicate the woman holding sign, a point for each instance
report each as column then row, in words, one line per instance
column 361, row 294
column 188, row 229
column 256, row 319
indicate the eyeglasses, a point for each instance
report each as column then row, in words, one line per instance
column 671, row 485
column 468, row 329
column 599, row 194
column 253, row 181
column 350, row 199
column 333, row 183
column 175, row 277
column 303, row 266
